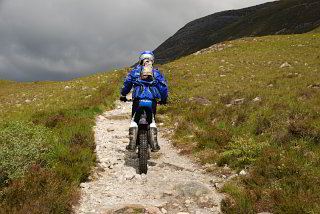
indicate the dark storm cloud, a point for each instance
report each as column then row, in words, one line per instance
column 43, row 39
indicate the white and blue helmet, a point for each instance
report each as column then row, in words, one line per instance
column 146, row 55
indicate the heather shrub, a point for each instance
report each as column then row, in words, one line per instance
column 241, row 151
column 21, row 145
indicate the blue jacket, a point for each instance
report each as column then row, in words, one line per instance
column 157, row 89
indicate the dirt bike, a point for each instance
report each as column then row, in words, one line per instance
column 146, row 133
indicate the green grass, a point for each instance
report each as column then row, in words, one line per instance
column 47, row 142
column 233, row 104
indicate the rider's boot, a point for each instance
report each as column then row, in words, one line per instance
column 133, row 133
column 153, row 132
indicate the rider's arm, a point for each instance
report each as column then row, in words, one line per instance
column 127, row 85
column 162, row 85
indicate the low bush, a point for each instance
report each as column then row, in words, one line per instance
column 22, row 145
column 241, row 152
column 281, row 181
column 39, row 191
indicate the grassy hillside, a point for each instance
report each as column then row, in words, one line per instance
column 253, row 104
column 46, row 140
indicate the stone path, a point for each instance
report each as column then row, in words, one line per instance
column 173, row 184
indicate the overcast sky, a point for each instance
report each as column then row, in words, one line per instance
column 63, row 39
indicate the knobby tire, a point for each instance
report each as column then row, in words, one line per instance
column 143, row 151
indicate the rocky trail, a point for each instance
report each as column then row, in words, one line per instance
column 174, row 184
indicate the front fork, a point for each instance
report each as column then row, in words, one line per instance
column 152, row 135
column 133, row 133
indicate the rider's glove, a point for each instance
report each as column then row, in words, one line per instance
column 123, row 98
column 163, row 102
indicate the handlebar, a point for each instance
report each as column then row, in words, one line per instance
column 131, row 100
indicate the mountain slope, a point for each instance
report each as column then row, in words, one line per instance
column 281, row 17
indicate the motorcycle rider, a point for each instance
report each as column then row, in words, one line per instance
column 159, row 90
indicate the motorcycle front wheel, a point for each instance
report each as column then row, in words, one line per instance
column 143, row 151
